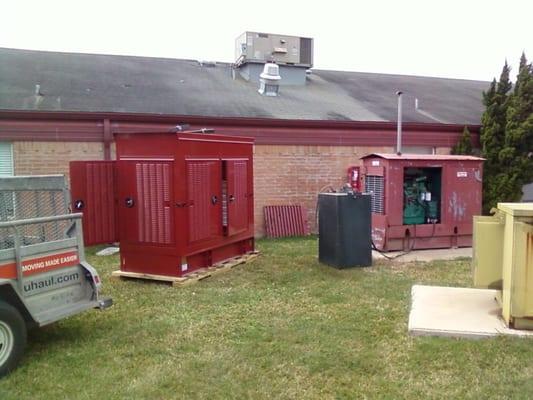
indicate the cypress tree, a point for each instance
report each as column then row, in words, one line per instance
column 516, row 155
column 464, row 145
column 492, row 137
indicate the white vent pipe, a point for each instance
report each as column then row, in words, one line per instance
column 399, row 125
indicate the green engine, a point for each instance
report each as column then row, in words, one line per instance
column 419, row 206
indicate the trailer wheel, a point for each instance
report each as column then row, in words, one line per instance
column 13, row 336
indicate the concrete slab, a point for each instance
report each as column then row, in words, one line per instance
column 427, row 255
column 457, row 312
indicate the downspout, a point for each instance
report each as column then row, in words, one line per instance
column 108, row 139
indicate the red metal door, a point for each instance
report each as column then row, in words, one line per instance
column 146, row 202
column 236, row 172
column 464, row 194
column 92, row 187
column 204, row 181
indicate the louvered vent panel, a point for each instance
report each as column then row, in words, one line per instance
column 153, row 195
column 198, row 173
column 225, row 203
column 6, row 158
column 240, row 212
column 282, row 221
column 374, row 186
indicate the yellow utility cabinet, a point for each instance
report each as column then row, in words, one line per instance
column 503, row 259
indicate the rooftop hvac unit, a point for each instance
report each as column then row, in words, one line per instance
column 281, row 49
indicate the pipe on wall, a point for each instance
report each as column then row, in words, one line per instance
column 108, row 139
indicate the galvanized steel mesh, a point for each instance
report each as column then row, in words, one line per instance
column 27, row 204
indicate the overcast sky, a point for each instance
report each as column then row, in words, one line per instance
column 467, row 39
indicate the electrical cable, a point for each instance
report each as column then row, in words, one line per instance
column 390, row 258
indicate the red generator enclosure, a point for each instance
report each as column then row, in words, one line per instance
column 183, row 201
column 422, row 201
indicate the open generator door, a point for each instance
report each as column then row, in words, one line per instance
column 238, row 193
column 92, row 190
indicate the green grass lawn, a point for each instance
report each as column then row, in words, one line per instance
column 282, row 326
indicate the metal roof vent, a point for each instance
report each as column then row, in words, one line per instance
column 269, row 80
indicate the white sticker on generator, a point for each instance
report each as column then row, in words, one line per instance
column 462, row 174
column 375, row 163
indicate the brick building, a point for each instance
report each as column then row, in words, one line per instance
column 58, row 107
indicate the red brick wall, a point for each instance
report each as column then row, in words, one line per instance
column 282, row 174
column 41, row 158
column 296, row 174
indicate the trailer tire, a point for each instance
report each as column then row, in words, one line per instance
column 13, row 336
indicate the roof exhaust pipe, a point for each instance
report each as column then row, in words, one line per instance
column 399, row 125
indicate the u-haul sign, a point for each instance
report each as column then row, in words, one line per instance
column 39, row 265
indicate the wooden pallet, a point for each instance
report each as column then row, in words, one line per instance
column 194, row 276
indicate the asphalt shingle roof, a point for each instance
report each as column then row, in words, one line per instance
column 109, row 83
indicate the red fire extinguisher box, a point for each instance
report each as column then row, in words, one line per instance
column 182, row 201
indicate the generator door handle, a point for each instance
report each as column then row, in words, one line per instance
column 231, row 198
column 214, row 200
column 129, row 202
column 79, row 204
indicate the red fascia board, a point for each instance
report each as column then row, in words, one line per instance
column 84, row 126
column 221, row 121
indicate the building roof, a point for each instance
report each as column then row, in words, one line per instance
column 110, row 83
column 435, row 157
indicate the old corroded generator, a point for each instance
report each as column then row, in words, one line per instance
column 177, row 202
column 422, row 201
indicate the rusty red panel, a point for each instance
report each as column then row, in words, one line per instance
column 92, row 185
column 285, row 220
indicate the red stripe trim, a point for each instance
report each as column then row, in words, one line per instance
column 40, row 265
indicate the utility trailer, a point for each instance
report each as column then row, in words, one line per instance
column 44, row 276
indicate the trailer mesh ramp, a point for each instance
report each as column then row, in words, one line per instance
column 24, row 198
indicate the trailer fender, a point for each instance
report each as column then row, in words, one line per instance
column 92, row 274
column 11, row 296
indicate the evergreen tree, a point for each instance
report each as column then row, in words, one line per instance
column 516, row 155
column 492, row 137
column 464, row 146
